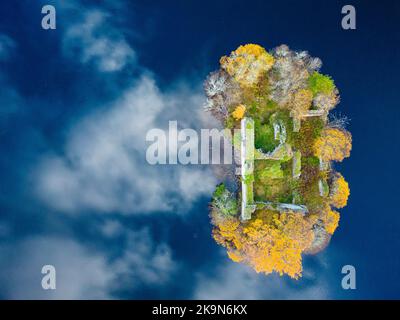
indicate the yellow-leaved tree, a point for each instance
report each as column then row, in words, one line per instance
column 247, row 63
column 330, row 219
column 269, row 242
column 340, row 191
column 334, row 144
column 239, row 111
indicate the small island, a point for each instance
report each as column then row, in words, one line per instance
column 287, row 189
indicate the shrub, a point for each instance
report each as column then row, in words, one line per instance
column 310, row 161
column 320, row 83
column 224, row 201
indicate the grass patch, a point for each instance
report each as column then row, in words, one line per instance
column 264, row 136
column 271, row 182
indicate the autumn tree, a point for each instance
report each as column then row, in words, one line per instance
column 302, row 101
column 339, row 191
column 333, row 144
column 330, row 219
column 247, row 63
column 290, row 73
column 269, row 242
column 222, row 92
column 216, row 83
column 239, row 111
column 326, row 101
